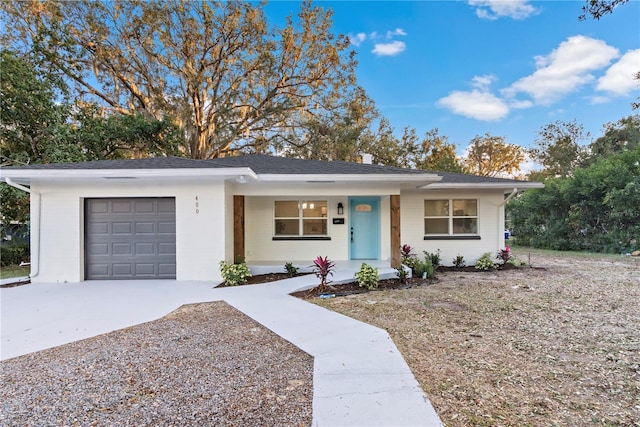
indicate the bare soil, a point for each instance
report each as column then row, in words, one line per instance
column 558, row 344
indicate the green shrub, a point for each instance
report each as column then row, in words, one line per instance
column 14, row 254
column 516, row 262
column 402, row 274
column 485, row 262
column 234, row 274
column 411, row 262
column 367, row 277
column 434, row 257
column 458, row 261
column 290, row 269
column 424, row 269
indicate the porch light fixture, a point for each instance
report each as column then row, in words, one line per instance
column 241, row 179
column 340, row 209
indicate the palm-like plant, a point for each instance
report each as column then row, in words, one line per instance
column 323, row 268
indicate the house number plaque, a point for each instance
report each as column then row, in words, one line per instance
column 197, row 205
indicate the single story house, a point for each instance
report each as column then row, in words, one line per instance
column 177, row 218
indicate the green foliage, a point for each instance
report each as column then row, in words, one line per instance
column 459, row 261
column 434, row 257
column 559, row 149
column 595, row 210
column 230, row 79
column 367, row 277
column 14, row 254
column 424, row 269
column 290, row 269
column 516, row 262
column 402, row 274
column 234, row 274
column 490, row 155
column 485, row 262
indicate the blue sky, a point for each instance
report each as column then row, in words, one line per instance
column 508, row 68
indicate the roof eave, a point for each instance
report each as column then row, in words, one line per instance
column 427, row 179
column 26, row 175
column 507, row 186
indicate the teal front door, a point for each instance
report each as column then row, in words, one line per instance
column 364, row 227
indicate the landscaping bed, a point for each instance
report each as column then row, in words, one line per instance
column 558, row 344
column 264, row 278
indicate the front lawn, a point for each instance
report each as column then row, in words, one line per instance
column 558, row 344
column 14, row 271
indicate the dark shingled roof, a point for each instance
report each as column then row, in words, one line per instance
column 263, row 164
column 146, row 163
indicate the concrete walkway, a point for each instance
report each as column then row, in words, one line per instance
column 360, row 378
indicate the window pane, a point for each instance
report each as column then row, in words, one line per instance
column 287, row 227
column 465, row 226
column 436, row 226
column 286, row 209
column 465, row 208
column 436, row 208
column 314, row 208
column 314, row 227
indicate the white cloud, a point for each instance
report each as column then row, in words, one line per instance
column 494, row 9
column 619, row 78
column 483, row 82
column 396, row 32
column 357, row 39
column 564, row 70
column 477, row 104
column 389, row 49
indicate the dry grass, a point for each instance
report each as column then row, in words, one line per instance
column 554, row 345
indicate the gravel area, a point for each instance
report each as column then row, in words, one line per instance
column 203, row 364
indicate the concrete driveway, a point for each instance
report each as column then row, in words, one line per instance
column 360, row 378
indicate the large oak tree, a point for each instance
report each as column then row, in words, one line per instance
column 231, row 81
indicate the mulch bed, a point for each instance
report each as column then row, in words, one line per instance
column 14, row 284
column 265, row 278
column 353, row 288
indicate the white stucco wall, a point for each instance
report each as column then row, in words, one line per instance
column 200, row 229
column 259, row 232
column 490, row 224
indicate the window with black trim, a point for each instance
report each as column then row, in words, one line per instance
column 451, row 217
column 300, row 218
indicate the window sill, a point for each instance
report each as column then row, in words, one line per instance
column 316, row 238
column 465, row 237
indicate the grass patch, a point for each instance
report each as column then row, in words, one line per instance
column 14, row 271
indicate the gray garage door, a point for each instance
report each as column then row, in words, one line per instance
column 130, row 238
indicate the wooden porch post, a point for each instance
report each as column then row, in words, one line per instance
column 238, row 228
column 395, row 231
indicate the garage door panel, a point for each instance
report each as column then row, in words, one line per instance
column 166, row 228
column 98, row 249
column 145, row 249
column 145, row 228
column 121, row 206
column 166, row 207
column 130, row 238
column 121, row 228
column 99, row 207
column 122, row 249
column 98, row 228
column 167, row 248
column 144, row 206
column 167, row 270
